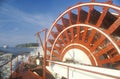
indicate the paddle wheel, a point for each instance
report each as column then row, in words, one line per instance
column 83, row 42
column 87, row 33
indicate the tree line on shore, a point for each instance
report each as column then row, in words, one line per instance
column 27, row 45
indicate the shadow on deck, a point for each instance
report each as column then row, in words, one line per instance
column 26, row 73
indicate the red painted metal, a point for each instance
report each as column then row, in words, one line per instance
column 96, row 44
column 45, row 53
column 44, row 49
column 99, row 44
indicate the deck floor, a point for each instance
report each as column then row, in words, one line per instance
column 27, row 73
column 24, row 73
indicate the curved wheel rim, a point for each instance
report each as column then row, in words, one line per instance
column 100, row 40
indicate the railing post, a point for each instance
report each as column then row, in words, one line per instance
column 22, row 58
column 17, row 59
column 67, row 72
column 11, row 68
column 45, row 48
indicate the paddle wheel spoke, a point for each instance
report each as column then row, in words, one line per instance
column 114, row 26
column 106, row 49
column 86, row 21
column 78, row 33
column 98, row 24
column 88, row 32
column 79, row 13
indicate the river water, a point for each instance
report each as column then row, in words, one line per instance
column 5, row 56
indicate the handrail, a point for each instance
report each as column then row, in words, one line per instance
column 82, row 68
column 12, row 64
column 5, row 63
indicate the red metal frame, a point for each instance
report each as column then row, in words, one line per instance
column 66, row 39
column 78, row 34
column 44, row 48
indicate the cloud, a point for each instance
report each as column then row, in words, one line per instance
column 19, row 26
column 15, row 15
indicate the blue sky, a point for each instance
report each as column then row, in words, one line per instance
column 21, row 19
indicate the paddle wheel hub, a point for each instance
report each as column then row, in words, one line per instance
column 76, row 56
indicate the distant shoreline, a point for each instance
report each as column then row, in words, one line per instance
column 16, row 51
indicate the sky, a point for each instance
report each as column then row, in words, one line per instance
column 21, row 19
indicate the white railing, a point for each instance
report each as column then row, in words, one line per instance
column 77, row 71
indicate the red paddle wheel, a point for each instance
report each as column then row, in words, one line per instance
column 91, row 30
